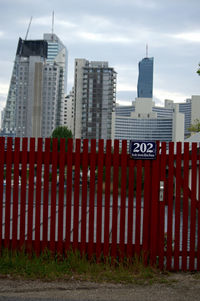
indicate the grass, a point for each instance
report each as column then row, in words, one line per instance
column 48, row 267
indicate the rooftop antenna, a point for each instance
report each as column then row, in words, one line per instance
column 28, row 28
column 52, row 31
column 146, row 50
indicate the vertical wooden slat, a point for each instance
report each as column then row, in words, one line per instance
column 193, row 206
column 99, row 198
column 23, row 191
column 61, row 194
column 170, row 204
column 76, row 195
column 46, row 193
column 38, row 196
column 138, row 207
column 8, row 190
column 177, row 207
column 53, row 193
column 15, row 194
column 31, row 193
column 107, row 197
column 162, row 207
column 115, row 199
column 130, row 208
column 123, row 197
column 185, row 206
column 69, row 194
column 2, row 156
column 154, row 208
column 91, row 198
column 84, row 196
column 198, row 216
column 146, row 211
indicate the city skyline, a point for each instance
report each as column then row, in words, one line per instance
column 117, row 32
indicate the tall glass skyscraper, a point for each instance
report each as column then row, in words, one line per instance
column 145, row 78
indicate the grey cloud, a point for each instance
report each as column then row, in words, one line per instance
column 114, row 30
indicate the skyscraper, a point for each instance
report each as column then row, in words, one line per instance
column 35, row 100
column 145, row 78
column 94, row 99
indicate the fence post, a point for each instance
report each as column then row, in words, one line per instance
column 154, row 208
column 99, row 198
column 2, row 156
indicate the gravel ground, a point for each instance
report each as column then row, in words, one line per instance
column 180, row 287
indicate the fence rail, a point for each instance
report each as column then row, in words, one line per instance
column 97, row 199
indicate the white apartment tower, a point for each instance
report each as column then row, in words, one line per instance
column 94, row 99
column 35, row 102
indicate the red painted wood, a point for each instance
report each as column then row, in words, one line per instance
column 130, row 208
column 76, row 195
column 154, row 209
column 15, row 194
column 46, row 193
column 61, row 195
column 115, row 199
column 146, row 211
column 99, row 198
column 31, row 193
column 161, row 228
column 85, row 180
column 138, row 207
column 107, row 198
column 193, row 207
column 38, row 196
column 23, row 192
column 91, row 198
column 53, row 193
column 170, row 204
column 123, row 197
column 177, row 206
column 185, row 206
column 69, row 194
column 8, row 190
column 198, row 226
column 2, row 156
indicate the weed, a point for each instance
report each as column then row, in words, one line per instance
column 76, row 266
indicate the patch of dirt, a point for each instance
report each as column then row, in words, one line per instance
column 178, row 286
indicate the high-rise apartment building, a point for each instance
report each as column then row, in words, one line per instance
column 94, row 99
column 35, row 102
column 69, row 111
column 145, row 78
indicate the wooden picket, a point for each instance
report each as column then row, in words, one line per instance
column 101, row 202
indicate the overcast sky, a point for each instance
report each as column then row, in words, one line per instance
column 116, row 31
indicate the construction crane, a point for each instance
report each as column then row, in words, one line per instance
column 28, row 29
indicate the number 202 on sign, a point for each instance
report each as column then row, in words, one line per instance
column 142, row 149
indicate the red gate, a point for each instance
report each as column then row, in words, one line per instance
column 100, row 201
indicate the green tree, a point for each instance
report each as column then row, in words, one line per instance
column 61, row 132
column 198, row 71
column 195, row 127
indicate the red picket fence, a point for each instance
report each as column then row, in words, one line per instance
column 100, row 201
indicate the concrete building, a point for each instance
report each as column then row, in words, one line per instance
column 69, row 111
column 94, row 99
column 144, row 121
column 35, row 102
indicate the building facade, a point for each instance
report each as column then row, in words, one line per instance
column 35, row 102
column 94, row 99
column 144, row 121
column 69, row 111
column 145, row 78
